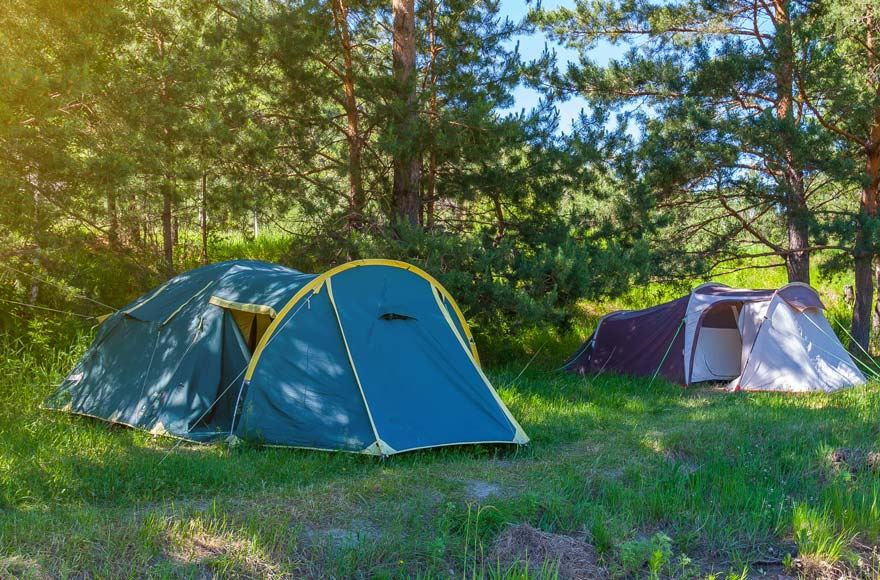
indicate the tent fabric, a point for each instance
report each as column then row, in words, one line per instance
column 762, row 339
column 796, row 351
column 635, row 342
column 702, row 301
column 372, row 357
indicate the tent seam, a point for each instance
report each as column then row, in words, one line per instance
column 379, row 442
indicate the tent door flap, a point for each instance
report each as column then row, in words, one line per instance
column 252, row 319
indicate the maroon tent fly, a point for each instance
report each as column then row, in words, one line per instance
column 713, row 333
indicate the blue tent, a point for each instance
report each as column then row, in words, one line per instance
column 373, row 356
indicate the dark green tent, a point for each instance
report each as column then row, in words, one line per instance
column 373, row 356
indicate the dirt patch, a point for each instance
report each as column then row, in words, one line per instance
column 865, row 564
column 357, row 533
column 845, row 459
column 571, row 557
column 477, row 489
column 840, row 458
column 18, row 567
column 682, row 460
column 205, row 549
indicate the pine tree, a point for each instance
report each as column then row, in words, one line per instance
column 726, row 142
column 842, row 90
column 405, row 200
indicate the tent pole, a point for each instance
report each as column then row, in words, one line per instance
column 666, row 354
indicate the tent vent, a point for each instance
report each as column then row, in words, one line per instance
column 396, row 316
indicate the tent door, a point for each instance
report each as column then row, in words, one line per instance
column 252, row 319
column 719, row 345
column 252, row 325
column 234, row 358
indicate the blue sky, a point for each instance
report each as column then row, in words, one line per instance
column 531, row 46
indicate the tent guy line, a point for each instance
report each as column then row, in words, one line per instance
column 844, row 329
column 62, row 287
column 46, row 308
column 665, row 355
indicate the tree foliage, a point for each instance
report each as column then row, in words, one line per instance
column 139, row 138
column 140, row 133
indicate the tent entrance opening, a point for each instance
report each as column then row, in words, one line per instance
column 718, row 354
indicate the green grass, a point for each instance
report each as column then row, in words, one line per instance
column 664, row 482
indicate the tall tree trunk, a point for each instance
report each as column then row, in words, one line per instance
column 113, row 214
column 864, row 290
column 34, row 293
column 430, row 196
column 167, row 226
column 797, row 261
column 353, row 137
column 406, row 205
column 431, row 191
column 864, row 249
column 175, row 223
column 203, row 218
column 169, row 234
column 875, row 317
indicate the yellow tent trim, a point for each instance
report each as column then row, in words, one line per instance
column 381, row 447
column 156, row 293
column 315, row 285
column 243, row 306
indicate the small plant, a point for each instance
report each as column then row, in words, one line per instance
column 522, row 571
column 473, row 548
column 817, row 536
column 686, row 568
column 655, row 552
column 602, row 538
